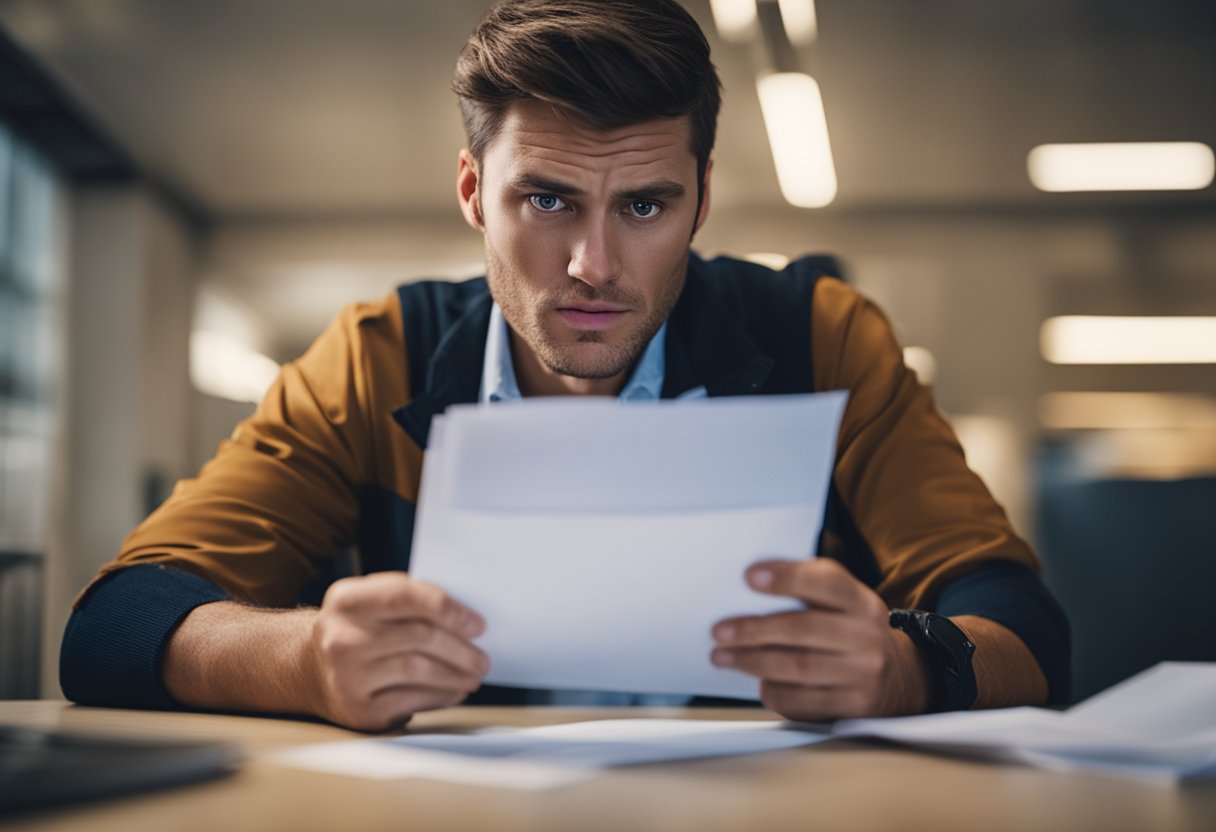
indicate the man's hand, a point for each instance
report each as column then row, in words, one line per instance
column 839, row 658
column 380, row 648
column 385, row 646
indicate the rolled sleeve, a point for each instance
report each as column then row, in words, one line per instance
column 1016, row 598
column 115, row 640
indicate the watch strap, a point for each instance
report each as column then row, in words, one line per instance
column 946, row 651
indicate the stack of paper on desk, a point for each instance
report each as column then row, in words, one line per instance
column 601, row 541
column 548, row 756
column 1160, row 724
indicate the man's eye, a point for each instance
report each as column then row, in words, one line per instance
column 644, row 209
column 548, row 203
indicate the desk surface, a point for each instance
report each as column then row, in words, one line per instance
column 838, row 786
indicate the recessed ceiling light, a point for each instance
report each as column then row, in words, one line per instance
column 798, row 134
column 771, row 259
column 1086, row 339
column 920, row 361
column 222, row 366
column 1146, row 166
column 734, row 19
column 800, row 21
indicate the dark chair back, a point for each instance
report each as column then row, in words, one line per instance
column 1133, row 562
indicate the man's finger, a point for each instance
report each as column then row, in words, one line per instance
column 819, row 629
column 393, row 707
column 784, row 664
column 418, row 670
column 395, row 596
column 422, row 636
column 821, row 582
column 808, row 704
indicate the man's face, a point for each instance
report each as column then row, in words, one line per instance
column 586, row 233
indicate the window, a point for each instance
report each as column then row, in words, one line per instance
column 30, row 363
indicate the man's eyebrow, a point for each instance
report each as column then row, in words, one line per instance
column 532, row 182
column 657, row 191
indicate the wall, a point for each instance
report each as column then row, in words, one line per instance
column 127, row 415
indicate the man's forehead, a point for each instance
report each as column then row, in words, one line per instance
column 535, row 132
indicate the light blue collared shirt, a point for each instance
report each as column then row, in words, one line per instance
column 498, row 384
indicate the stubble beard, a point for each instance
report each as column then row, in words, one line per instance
column 525, row 313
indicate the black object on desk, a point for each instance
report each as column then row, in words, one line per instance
column 44, row 769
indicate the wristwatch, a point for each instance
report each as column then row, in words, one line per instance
column 947, row 653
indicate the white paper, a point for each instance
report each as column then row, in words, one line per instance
column 601, row 540
column 1173, row 700
column 548, row 756
column 382, row 760
column 1159, row 724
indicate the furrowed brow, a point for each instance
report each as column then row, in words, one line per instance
column 531, row 182
column 654, row 191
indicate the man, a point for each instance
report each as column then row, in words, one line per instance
column 590, row 126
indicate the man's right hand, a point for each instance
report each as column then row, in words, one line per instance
column 385, row 646
column 381, row 648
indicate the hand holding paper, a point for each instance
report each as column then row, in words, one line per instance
column 385, row 646
column 837, row 658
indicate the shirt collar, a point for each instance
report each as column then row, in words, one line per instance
column 498, row 382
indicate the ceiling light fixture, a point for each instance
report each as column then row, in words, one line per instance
column 734, row 19
column 1086, row 339
column 798, row 134
column 800, row 21
column 1145, row 166
column 922, row 362
column 222, row 366
column 771, row 259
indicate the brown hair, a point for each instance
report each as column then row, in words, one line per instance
column 612, row 62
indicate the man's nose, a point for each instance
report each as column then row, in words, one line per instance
column 595, row 256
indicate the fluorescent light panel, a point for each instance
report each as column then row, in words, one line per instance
column 798, row 134
column 1147, row 166
column 922, row 362
column 222, row 366
column 771, row 259
column 800, row 21
column 1084, row 339
column 734, row 19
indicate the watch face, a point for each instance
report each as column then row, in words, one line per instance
column 957, row 647
column 947, row 653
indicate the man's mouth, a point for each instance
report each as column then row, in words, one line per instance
column 591, row 316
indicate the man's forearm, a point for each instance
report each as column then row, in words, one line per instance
column 228, row 656
column 1006, row 673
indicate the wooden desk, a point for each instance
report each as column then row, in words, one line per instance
column 835, row 788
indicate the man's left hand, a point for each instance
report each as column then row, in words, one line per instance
column 838, row 658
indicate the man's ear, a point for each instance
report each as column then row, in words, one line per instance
column 468, row 192
column 704, row 210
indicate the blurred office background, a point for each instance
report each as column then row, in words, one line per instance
column 190, row 190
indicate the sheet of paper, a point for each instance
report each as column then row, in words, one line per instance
column 1159, row 724
column 1118, row 732
column 549, row 756
column 382, row 760
column 602, row 541
column 1173, row 700
column 620, row 742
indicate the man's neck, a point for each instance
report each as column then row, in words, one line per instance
column 535, row 379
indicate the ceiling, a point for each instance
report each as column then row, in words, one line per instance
column 340, row 108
